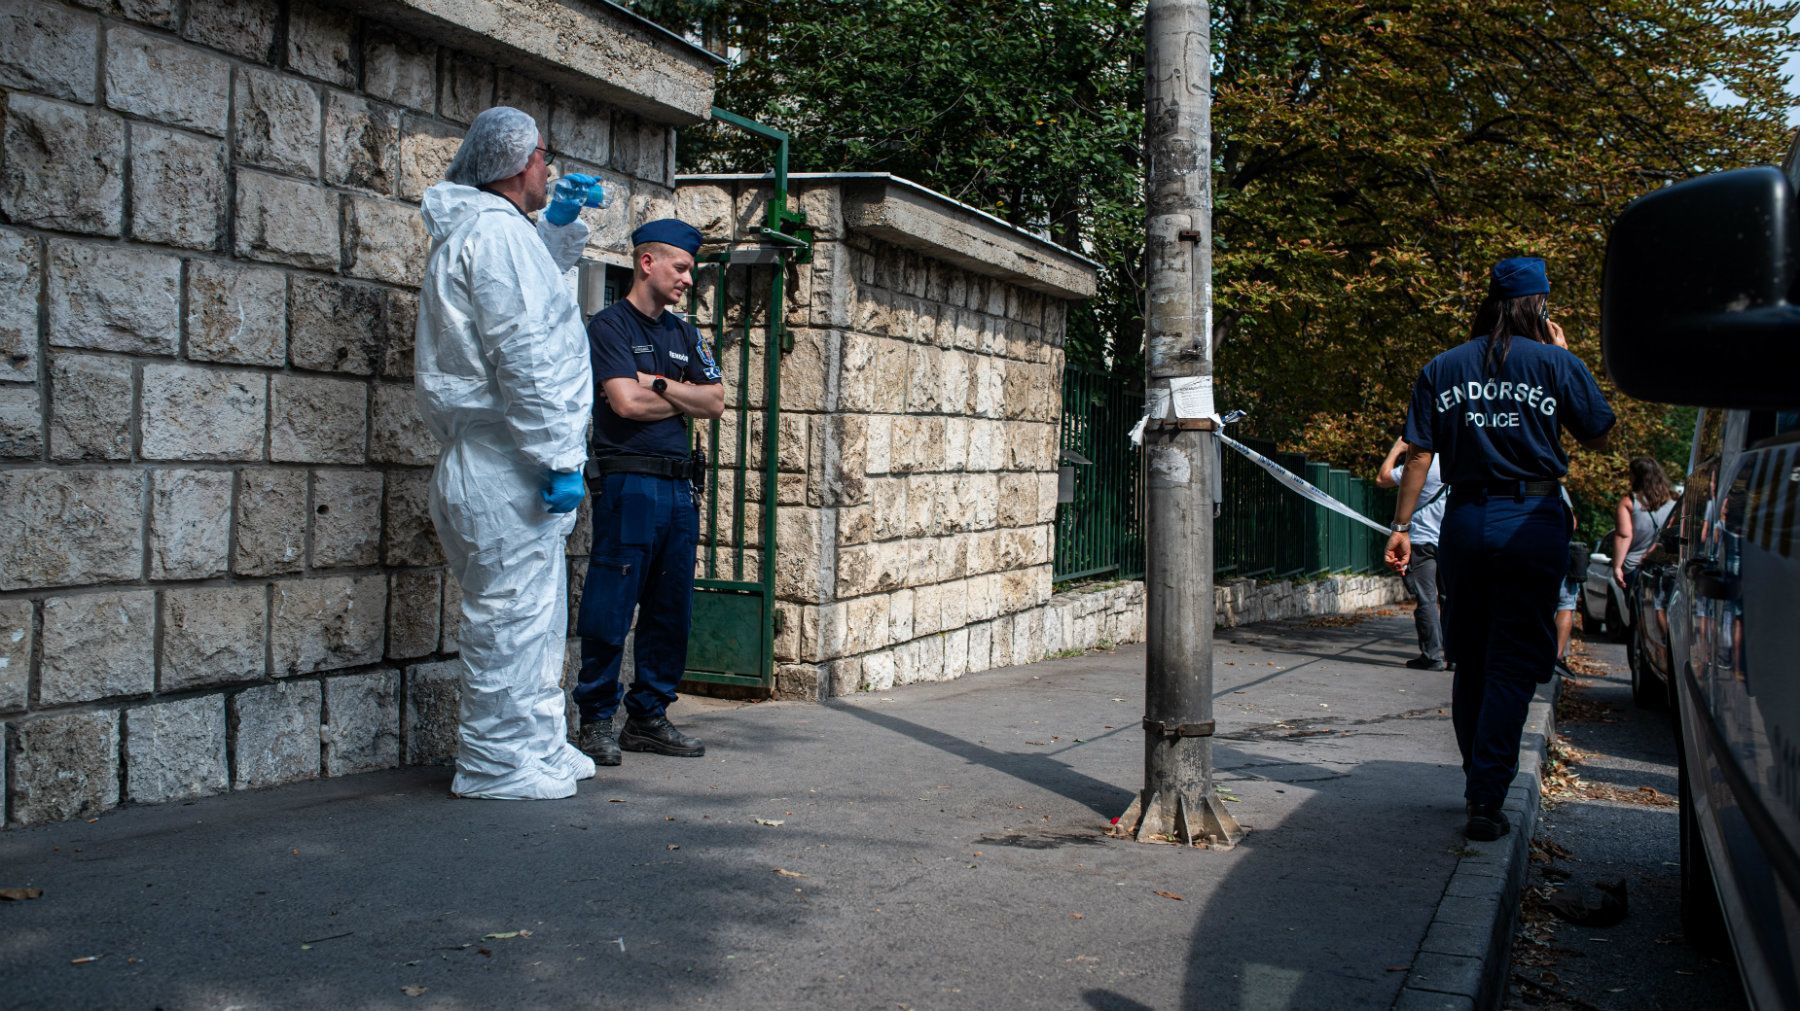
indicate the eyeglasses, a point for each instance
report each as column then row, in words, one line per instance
column 549, row 156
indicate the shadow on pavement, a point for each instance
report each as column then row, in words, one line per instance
column 317, row 897
column 1039, row 770
column 1328, row 909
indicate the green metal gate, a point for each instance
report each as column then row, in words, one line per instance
column 732, row 641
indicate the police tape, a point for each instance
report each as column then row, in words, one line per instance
column 1301, row 486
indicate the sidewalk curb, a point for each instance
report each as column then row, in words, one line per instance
column 1463, row 961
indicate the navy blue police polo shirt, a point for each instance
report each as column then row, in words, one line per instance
column 1505, row 424
column 623, row 342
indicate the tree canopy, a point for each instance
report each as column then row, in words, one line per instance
column 1370, row 161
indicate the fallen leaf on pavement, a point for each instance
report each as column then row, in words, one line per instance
column 413, row 991
column 1077, row 916
column 674, row 846
column 784, row 872
column 1170, row 895
column 20, row 894
column 771, row 822
column 615, row 800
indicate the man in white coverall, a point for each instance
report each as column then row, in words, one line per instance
column 503, row 381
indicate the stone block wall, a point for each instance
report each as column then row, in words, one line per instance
column 920, row 406
column 217, row 568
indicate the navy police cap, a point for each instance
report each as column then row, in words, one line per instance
column 1518, row 276
column 671, row 232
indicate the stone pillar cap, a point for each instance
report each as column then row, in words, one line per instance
column 907, row 214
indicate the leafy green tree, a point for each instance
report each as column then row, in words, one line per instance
column 1028, row 110
column 1371, row 160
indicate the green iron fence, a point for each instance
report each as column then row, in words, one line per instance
column 1261, row 530
column 1101, row 531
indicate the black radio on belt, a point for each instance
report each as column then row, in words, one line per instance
column 697, row 475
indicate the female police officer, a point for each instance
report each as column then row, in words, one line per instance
column 1494, row 409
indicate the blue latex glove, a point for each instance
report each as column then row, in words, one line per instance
column 564, row 491
column 570, row 194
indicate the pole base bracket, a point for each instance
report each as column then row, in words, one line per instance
column 1205, row 823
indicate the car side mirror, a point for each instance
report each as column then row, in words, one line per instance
column 1699, row 291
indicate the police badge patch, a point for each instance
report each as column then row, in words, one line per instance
column 709, row 367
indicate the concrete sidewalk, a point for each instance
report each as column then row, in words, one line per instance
column 938, row 846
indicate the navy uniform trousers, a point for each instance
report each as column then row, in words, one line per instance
column 645, row 528
column 1502, row 560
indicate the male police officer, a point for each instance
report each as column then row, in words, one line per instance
column 651, row 368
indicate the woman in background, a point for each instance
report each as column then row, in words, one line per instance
column 1641, row 514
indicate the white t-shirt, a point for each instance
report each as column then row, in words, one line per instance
column 1428, row 516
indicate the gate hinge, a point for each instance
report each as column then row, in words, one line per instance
column 1202, row 729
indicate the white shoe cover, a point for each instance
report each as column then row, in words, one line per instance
column 537, row 781
column 570, row 761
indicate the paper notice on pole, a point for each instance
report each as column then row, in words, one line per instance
column 1192, row 396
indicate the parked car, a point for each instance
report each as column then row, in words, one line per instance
column 1603, row 606
column 1698, row 309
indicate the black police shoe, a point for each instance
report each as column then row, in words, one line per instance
column 600, row 742
column 656, row 734
column 1486, row 823
column 1423, row 662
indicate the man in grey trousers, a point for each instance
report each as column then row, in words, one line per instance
column 1421, row 575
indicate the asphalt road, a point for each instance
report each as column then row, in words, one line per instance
column 1603, row 827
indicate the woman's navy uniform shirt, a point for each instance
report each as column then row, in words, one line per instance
column 623, row 342
column 1505, row 424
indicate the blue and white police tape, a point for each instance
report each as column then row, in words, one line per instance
column 1288, row 479
column 1301, row 486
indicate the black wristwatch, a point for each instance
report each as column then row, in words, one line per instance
column 660, row 385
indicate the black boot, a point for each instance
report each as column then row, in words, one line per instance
column 600, row 742
column 1486, row 823
column 657, row 734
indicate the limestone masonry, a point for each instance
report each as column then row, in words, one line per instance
column 216, row 568
column 918, row 439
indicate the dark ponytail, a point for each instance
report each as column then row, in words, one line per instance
column 1502, row 319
